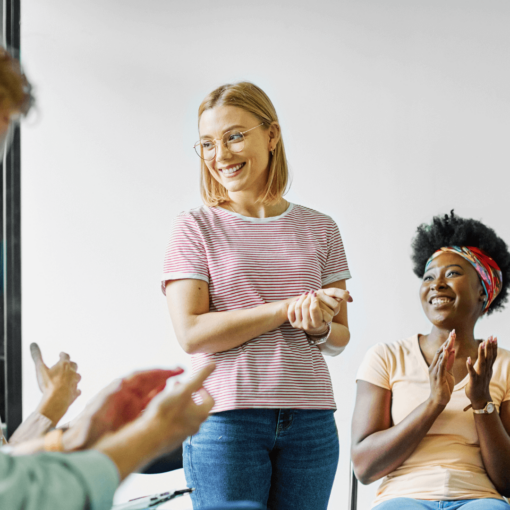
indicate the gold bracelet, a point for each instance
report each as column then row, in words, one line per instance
column 53, row 441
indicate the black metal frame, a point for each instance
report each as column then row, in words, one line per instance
column 353, row 490
column 10, row 256
column 169, row 462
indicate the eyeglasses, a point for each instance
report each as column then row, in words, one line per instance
column 233, row 140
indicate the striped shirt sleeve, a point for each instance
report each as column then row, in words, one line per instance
column 336, row 267
column 185, row 256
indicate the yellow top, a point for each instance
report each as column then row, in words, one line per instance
column 447, row 464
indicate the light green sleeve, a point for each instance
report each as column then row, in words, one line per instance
column 57, row 481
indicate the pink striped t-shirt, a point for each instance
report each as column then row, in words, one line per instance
column 248, row 262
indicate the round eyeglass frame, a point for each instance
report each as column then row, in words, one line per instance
column 198, row 145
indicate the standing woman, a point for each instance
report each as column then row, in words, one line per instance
column 257, row 285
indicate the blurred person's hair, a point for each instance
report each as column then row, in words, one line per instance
column 15, row 90
column 254, row 100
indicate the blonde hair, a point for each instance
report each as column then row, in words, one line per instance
column 254, row 100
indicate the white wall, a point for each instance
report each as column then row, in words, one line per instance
column 392, row 111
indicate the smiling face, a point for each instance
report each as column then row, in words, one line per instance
column 451, row 292
column 246, row 170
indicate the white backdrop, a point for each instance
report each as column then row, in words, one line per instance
column 392, row 111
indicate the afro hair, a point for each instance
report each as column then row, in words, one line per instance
column 451, row 230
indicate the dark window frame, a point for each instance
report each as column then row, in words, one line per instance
column 10, row 253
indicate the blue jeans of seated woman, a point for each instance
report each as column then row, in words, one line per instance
column 284, row 459
column 458, row 504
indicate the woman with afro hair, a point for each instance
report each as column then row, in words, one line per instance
column 432, row 412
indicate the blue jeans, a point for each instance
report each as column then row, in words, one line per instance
column 284, row 459
column 458, row 504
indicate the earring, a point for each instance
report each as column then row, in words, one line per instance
column 272, row 153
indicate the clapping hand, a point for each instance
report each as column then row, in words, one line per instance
column 175, row 414
column 118, row 404
column 168, row 419
column 441, row 377
column 59, row 384
column 480, row 374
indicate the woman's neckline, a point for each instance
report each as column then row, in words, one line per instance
column 256, row 220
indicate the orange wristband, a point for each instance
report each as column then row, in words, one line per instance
column 53, row 441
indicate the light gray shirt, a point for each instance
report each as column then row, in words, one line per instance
column 57, row 481
column 36, row 425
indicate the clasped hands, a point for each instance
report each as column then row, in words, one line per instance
column 441, row 376
column 313, row 310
